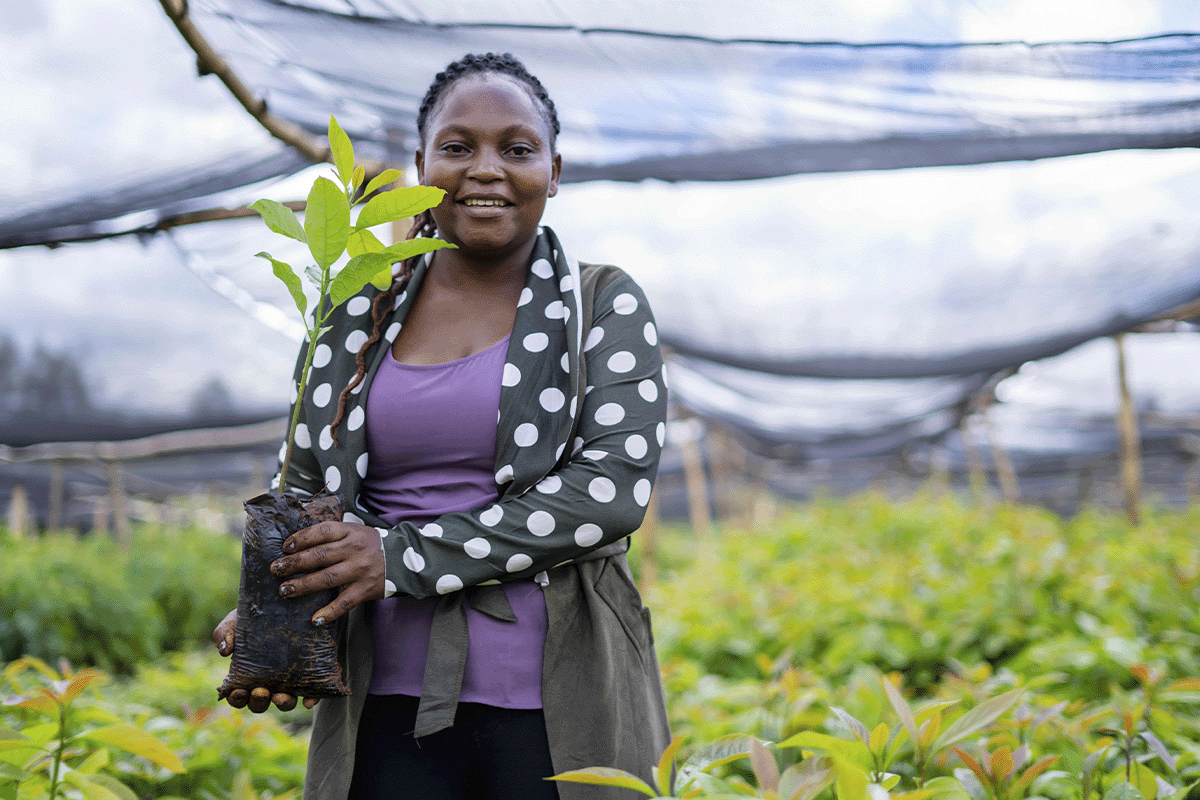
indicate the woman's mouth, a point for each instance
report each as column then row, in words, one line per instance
column 480, row 202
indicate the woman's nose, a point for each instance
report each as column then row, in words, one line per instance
column 485, row 165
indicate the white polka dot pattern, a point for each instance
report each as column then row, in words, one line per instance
column 348, row 516
column 650, row 333
column 622, row 362
column 356, row 340
column 321, row 356
column 477, row 547
column 542, row 269
column 512, row 375
column 413, row 560
column 625, row 304
column 432, row 530
column 322, row 395
column 355, row 419
column 588, row 534
column 448, row 583
column 636, row 446
column 549, row 484
column 357, row 306
column 389, row 588
column 602, row 490
column 536, row 342
column 610, row 414
column 360, row 466
column 526, row 296
column 526, row 434
column 518, row 562
column 552, row 399
column 540, row 523
column 492, row 516
column 325, row 440
column 641, row 492
column 648, row 389
column 392, row 332
column 333, row 479
column 303, row 438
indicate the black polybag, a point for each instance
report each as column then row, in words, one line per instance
column 276, row 646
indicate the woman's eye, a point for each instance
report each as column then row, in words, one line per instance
column 521, row 150
column 453, row 148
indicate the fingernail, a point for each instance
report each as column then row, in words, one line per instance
column 319, row 621
column 291, row 546
column 221, row 647
column 285, row 590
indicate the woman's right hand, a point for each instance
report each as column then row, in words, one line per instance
column 259, row 699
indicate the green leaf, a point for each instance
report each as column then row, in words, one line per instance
column 1159, row 749
column 80, row 682
column 88, row 788
column 1123, row 791
column 291, row 280
column 363, row 242
column 326, row 222
column 811, row 740
column 280, row 219
column 115, row 786
column 136, row 741
column 343, row 152
column 357, row 178
column 807, row 779
column 946, row 788
column 978, row 718
column 606, row 776
column 12, row 772
column 665, row 779
column 764, row 767
column 354, row 276
column 94, row 762
column 902, row 709
column 398, row 204
column 414, row 247
column 851, row 779
column 383, row 179
column 856, row 727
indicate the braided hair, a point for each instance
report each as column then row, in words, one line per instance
column 423, row 225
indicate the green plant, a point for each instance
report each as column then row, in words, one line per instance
column 329, row 234
column 70, row 750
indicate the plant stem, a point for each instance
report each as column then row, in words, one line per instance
column 291, row 439
column 58, row 751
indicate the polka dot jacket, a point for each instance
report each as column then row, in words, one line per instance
column 575, row 457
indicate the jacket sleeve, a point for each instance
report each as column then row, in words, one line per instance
column 598, row 497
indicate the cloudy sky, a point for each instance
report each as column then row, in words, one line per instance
column 99, row 89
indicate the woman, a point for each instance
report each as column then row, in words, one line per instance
column 496, row 439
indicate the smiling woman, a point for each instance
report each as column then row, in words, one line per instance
column 496, row 440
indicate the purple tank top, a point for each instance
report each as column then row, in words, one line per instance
column 431, row 435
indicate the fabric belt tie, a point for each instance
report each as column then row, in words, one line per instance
column 446, row 663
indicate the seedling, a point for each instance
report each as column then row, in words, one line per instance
column 329, row 234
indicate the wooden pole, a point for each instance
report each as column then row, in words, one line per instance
column 55, row 519
column 1131, row 446
column 116, row 490
column 648, row 535
column 975, row 470
column 697, row 486
column 18, row 513
column 1010, row 487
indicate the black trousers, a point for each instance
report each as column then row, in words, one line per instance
column 490, row 754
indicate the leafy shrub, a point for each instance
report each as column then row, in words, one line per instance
column 94, row 602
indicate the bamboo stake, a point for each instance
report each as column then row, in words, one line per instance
column 1127, row 428
column 18, row 512
column 116, row 488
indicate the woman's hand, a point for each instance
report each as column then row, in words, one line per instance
column 258, row 699
column 333, row 554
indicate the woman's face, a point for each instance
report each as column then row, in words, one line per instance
column 489, row 146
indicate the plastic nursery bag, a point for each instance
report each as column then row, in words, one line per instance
column 276, row 646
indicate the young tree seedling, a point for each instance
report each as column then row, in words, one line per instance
column 330, row 234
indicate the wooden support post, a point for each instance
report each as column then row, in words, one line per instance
column 57, row 496
column 975, row 470
column 722, row 479
column 648, row 536
column 116, row 491
column 763, row 507
column 697, row 486
column 1193, row 479
column 1131, row 446
column 18, row 513
column 1010, row 487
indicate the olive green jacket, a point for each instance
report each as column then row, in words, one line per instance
column 580, row 430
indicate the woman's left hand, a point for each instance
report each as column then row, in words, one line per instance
column 333, row 554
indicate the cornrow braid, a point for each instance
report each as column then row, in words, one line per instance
column 423, row 225
column 489, row 63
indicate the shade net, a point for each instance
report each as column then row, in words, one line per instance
column 854, row 320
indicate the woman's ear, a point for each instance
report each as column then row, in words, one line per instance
column 555, row 172
column 419, row 160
